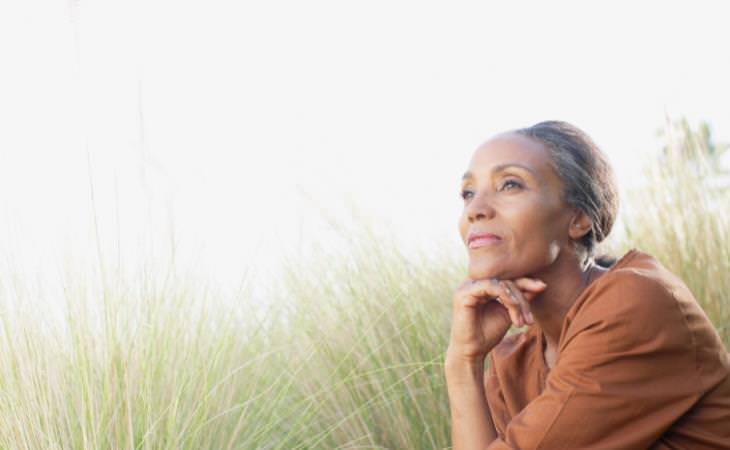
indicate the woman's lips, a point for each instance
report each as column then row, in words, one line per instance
column 484, row 241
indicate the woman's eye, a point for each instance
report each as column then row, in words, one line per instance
column 509, row 185
column 465, row 193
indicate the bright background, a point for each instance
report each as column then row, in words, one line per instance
column 229, row 127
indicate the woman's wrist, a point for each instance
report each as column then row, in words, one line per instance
column 463, row 368
column 471, row 421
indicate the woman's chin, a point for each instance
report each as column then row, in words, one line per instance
column 479, row 271
column 484, row 269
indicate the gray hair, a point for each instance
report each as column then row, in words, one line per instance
column 588, row 179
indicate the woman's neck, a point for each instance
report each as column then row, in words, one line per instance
column 565, row 281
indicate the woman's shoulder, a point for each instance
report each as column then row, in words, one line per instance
column 638, row 303
column 636, row 266
column 636, row 283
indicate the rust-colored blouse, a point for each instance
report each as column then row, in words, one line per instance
column 639, row 365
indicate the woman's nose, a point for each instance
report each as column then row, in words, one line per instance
column 480, row 208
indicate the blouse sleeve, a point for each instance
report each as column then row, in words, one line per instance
column 495, row 399
column 627, row 369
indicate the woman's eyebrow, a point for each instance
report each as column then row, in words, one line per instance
column 502, row 167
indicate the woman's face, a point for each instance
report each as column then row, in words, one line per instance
column 512, row 193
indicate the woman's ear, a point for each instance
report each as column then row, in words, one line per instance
column 580, row 225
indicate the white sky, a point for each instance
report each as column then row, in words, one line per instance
column 215, row 117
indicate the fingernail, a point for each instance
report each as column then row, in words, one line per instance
column 530, row 318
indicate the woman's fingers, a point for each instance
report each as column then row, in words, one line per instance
column 510, row 301
column 505, row 298
column 481, row 291
column 530, row 287
column 520, row 300
column 530, row 284
column 514, row 295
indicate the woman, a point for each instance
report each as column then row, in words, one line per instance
column 615, row 356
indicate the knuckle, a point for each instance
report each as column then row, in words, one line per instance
column 459, row 297
column 464, row 300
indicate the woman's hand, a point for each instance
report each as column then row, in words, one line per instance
column 483, row 311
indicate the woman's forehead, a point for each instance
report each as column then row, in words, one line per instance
column 511, row 148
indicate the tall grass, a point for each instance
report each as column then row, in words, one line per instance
column 682, row 217
column 349, row 354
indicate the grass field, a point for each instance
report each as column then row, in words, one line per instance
column 349, row 355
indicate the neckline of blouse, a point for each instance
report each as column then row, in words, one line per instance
column 544, row 369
